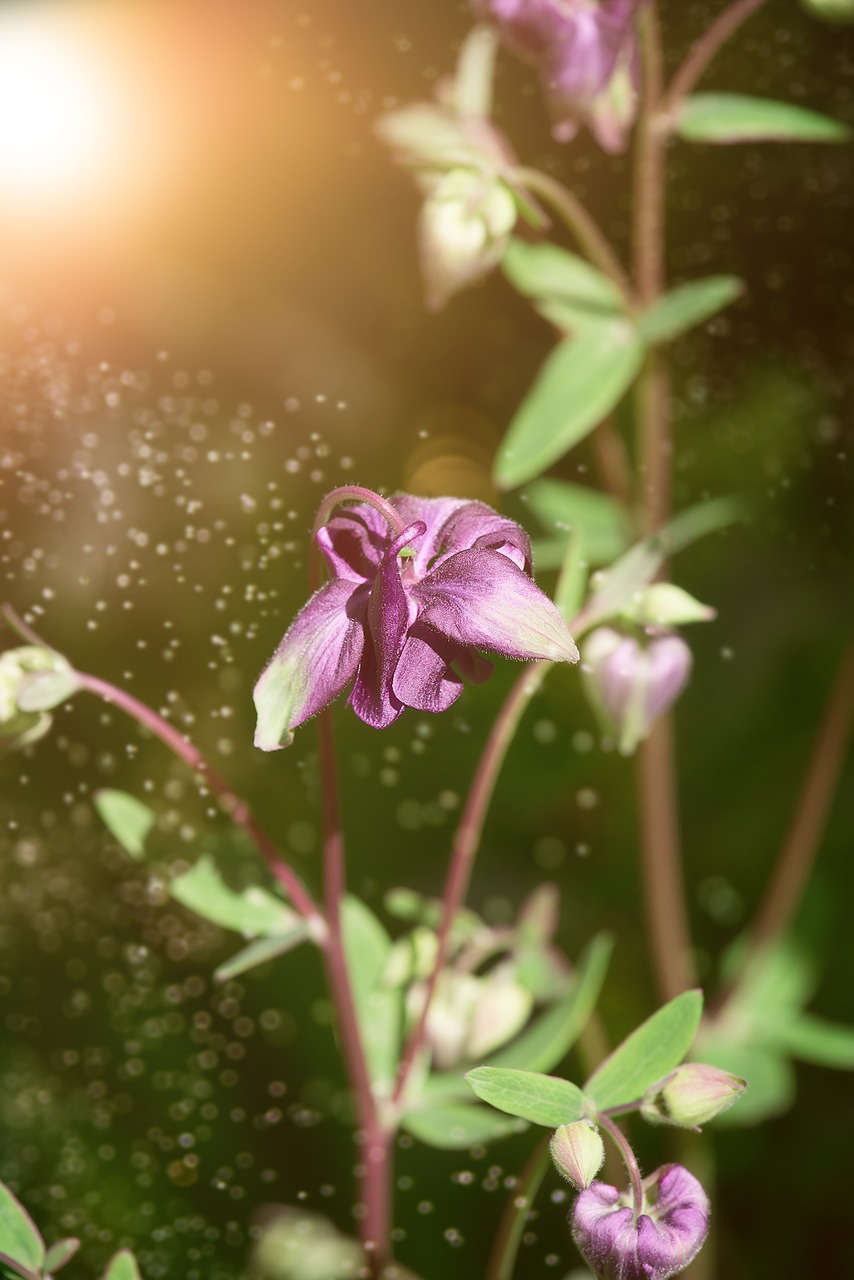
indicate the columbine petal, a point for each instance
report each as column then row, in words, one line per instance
column 424, row 678
column 354, row 542
column 373, row 698
column 315, row 661
column 481, row 598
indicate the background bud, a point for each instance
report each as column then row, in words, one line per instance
column 463, row 230
column 578, row 1152
column 631, row 684
column 32, row 682
column 691, row 1095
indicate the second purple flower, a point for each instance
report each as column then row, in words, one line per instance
column 414, row 595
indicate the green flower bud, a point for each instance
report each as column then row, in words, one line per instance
column 464, row 228
column 32, row 682
column 691, row 1095
column 578, row 1152
column 664, row 605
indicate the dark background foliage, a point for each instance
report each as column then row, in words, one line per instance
column 189, row 360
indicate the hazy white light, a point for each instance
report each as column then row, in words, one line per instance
column 56, row 106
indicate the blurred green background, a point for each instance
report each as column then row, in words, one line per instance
column 210, row 318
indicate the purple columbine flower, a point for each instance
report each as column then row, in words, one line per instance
column 668, row 1233
column 418, row 587
column 586, row 57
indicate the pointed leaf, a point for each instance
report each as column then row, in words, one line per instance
column 261, row 950
column 20, row 1238
column 474, row 73
column 688, row 305
column 459, row 1127
column 60, row 1253
column 811, row 1039
column 566, row 507
column 735, row 117
column 547, row 271
column 582, row 380
column 649, row 1053
column 541, row 1099
column 378, row 1007
column 122, row 1266
column 253, row 911
column 127, row 819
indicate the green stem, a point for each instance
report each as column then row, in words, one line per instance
column 583, row 226
column 502, row 1260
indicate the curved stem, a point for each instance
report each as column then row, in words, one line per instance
column 348, row 493
column 232, row 804
column 583, row 226
column 502, row 1260
column 802, row 841
column 622, row 1142
column 467, row 841
column 375, row 1175
column 705, row 49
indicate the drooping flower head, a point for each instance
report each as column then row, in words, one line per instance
column 417, row 588
column 668, row 1233
column 632, row 683
column 585, row 53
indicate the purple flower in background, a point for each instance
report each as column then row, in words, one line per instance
column 668, row 1234
column 632, row 683
column 586, row 57
column 406, row 612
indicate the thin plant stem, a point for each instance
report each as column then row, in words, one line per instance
column 705, row 49
column 377, row 1137
column 629, row 1160
column 467, row 841
column 232, row 804
column 583, row 226
column 612, row 463
column 808, row 822
column 502, row 1260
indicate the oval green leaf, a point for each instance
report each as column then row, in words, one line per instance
column 457, row 1128
column 378, row 1008
column 122, row 1266
column 570, row 508
column 686, row 306
column 60, row 1253
column 811, row 1039
column 582, row 380
column 127, row 819
column 735, row 117
column 253, row 911
column 261, row 950
column 546, row 272
column 544, row 1100
column 20, row 1239
column 650, row 1052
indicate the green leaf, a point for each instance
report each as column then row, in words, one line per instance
column 474, row 73
column 127, row 819
column 566, row 290
column 457, row 1128
column 253, row 911
column 60, row 1253
column 541, row 1099
column 686, row 306
column 735, row 117
column 21, row 1246
column 122, row 1266
column 261, row 950
column 781, row 980
column 572, row 508
column 378, row 1008
column 651, row 1051
column 811, row 1039
column 582, row 380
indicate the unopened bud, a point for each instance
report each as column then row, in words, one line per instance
column 578, row 1152
column 32, row 682
column 464, row 228
column 691, row 1095
column 632, row 684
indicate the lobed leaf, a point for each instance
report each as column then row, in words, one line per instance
column 651, row 1051
column 544, row 1100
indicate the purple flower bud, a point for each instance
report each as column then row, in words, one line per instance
column 406, row 612
column 667, row 1235
column 578, row 1152
column 691, row 1095
column 631, row 685
column 586, row 57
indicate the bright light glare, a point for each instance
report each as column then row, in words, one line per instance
column 55, row 111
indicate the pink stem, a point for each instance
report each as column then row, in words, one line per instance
column 466, row 842
column 706, row 48
column 629, row 1160
column 231, row 803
